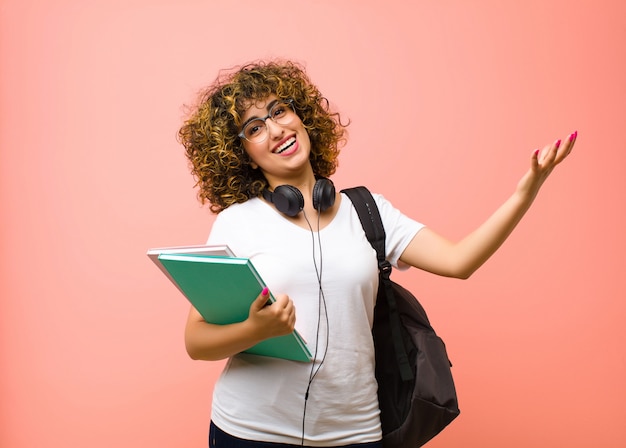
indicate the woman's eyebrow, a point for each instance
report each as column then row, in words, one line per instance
column 267, row 108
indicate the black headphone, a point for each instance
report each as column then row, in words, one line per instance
column 289, row 200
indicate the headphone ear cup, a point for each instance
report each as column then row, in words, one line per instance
column 323, row 194
column 287, row 199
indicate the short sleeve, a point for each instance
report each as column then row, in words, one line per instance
column 399, row 230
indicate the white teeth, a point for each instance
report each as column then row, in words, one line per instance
column 285, row 145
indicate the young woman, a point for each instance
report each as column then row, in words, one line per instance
column 262, row 144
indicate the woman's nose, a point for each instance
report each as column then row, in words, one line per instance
column 274, row 129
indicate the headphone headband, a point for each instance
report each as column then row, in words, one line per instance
column 289, row 200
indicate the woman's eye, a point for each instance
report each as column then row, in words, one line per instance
column 253, row 128
column 278, row 111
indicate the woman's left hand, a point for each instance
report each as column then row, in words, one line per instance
column 543, row 162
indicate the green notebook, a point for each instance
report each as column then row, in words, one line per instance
column 222, row 289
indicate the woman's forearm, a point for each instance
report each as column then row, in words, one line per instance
column 211, row 342
column 433, row 253
column 476, row 248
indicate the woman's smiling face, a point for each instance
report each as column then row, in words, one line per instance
column 286, row 148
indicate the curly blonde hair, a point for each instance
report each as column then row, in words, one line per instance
column 216, row 154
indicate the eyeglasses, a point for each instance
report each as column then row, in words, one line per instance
column 282, row 112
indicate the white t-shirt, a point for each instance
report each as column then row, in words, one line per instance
column 261, row 398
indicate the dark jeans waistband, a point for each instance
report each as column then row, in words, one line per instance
column 221, row 439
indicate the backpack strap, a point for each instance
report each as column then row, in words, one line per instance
column 372, row 223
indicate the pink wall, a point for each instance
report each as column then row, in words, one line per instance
column 447, row 101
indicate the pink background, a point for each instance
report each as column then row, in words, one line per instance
column 447, row 100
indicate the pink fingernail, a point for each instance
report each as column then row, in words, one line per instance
column 536, row 153
column 558, row 143
column 265, row 291
column 573, row 136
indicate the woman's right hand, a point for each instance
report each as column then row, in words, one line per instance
column 272, row 319
column 213, row 342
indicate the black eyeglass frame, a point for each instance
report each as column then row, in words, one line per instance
column 287, row 101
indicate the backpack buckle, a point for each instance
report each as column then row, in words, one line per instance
column 385, row 268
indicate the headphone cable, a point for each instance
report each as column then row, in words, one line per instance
column 321, row 301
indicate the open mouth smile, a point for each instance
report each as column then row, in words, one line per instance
column 287, row 144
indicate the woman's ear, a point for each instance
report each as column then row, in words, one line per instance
column 247, row 160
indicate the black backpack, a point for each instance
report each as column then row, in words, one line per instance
column 416, row 391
